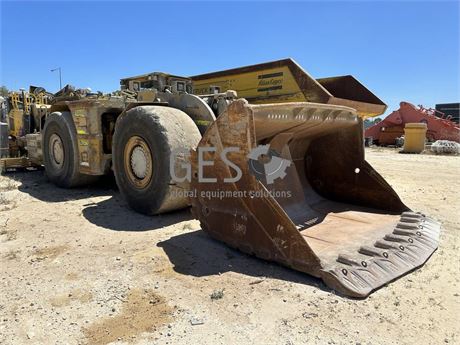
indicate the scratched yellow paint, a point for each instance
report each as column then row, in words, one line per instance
column 254, row 86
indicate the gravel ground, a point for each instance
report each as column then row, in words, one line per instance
column 78, row 267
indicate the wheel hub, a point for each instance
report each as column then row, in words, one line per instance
column 138, row 162
column 56, row 149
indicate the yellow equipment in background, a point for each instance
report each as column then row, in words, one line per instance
column 26, row 114
column 285, row 81
column 26, row 110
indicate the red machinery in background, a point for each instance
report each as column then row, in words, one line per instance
column 392, row 127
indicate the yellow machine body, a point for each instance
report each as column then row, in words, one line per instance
column 286, row 81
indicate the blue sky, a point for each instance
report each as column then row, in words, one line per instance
column 400, row 50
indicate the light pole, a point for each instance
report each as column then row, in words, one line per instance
column 60, row 78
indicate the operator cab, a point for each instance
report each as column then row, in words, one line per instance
column 161, row 82
column 166, row 89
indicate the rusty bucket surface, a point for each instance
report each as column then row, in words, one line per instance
column 327, row 212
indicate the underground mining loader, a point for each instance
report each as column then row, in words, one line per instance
column 326, row 212
column 298, row 190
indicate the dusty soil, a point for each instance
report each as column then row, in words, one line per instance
column 78, row 267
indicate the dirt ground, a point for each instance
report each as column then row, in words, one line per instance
column 78, row 267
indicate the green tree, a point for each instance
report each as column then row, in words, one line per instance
column 3, row 91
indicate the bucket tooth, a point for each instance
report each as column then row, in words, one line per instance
column 386, row 245
column 405, row 225
column 396, row 238
column 332, row 215
column 406, row 219
column 404, row 232
column 416, row 215
column 347, row 260
column 371, row 251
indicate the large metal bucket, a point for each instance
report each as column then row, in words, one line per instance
column 306, row 197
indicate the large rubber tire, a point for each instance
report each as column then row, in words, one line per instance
column 158, row 132
column 60, row 129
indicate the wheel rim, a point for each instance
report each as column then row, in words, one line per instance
column 138, row 162
column 56, row 151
